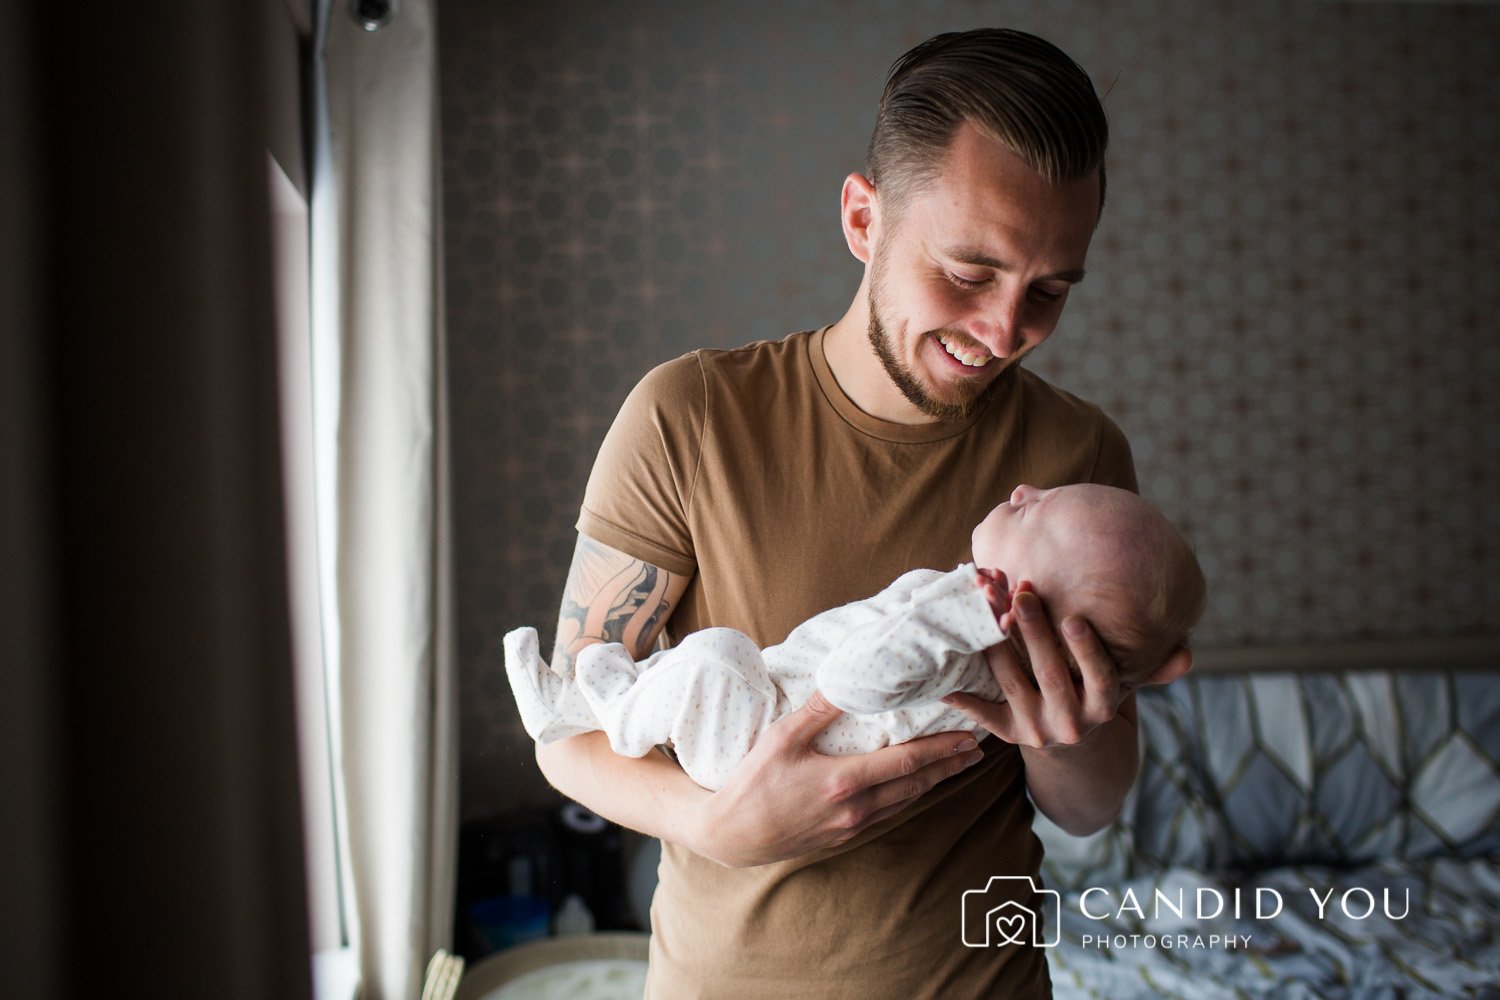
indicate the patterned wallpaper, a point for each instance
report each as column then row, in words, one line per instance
column 1289, row 309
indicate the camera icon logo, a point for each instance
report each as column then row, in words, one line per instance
column 1011, row 909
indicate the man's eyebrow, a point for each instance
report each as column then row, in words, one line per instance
column 978, row 258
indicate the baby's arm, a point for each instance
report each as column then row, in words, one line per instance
column 710, row 697
column 921, row 649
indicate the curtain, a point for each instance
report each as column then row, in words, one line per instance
column 151, row 845
column 31, row 773
column 381, row 425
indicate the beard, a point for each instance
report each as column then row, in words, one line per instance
column 969, row 401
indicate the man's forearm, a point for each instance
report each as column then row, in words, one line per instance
column 649, row 794
column 1082, row 787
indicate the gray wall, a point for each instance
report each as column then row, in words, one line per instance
column 1289, row 308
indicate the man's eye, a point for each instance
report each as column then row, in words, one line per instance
column 1042, row 295
column 963, row 282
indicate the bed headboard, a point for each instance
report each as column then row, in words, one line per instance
column 1323, row 756
column 1472, row 652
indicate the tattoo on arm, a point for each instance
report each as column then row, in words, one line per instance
column 609, row 597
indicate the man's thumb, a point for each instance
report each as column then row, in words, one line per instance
column 814, row 716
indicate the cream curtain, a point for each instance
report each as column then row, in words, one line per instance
column 380, row 415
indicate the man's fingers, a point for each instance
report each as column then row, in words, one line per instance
column 996, row 716
column 993, row 715
column 1047, row 664
column 910, row 759
column 1014, row 682
column 889, row 797
column 815, row 715
column 1101, row 685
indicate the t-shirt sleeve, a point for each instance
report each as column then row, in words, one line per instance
column 1113, row 464
column 640, row 491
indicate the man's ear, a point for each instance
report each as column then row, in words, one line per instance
column 858, row 212
column 1179, row 663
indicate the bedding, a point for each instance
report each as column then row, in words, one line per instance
column 1354, row 817
column 1331, row 938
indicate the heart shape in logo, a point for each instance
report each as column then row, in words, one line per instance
column 1010, row 928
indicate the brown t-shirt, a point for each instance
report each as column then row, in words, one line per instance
column 751, row 470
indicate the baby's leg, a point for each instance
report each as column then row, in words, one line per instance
column 551, row 707
column 710, row 697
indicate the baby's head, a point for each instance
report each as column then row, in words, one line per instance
column 1106, row 555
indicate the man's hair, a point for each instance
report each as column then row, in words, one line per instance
column 1018, row 89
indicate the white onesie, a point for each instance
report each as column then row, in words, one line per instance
column 886, row 660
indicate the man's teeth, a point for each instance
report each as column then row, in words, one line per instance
column 972, row 360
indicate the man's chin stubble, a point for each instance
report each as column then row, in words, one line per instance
column 912, row 388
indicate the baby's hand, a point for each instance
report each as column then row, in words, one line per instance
column 996, row 590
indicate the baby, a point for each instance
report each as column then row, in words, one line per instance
column 1095, row 551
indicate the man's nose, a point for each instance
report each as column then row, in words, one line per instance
column 1022, row 494
column 999, row 325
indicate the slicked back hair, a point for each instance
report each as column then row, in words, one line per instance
column 1018, row 89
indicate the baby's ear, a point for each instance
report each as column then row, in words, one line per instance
column 1179, row 663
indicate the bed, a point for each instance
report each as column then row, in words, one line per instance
column 1327, row 831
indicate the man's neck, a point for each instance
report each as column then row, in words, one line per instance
column 859, row 373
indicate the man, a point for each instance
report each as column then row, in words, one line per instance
column 728, row 492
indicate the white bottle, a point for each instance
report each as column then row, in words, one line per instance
column 573, row 917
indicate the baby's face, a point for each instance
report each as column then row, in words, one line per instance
column 1068, row 542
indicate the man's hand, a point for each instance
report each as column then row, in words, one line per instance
column 786, row 799
column 1077, row 736
column 1048, row 706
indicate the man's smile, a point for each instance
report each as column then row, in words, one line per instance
column 972, row 358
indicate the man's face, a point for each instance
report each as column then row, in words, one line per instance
column 974, row 273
